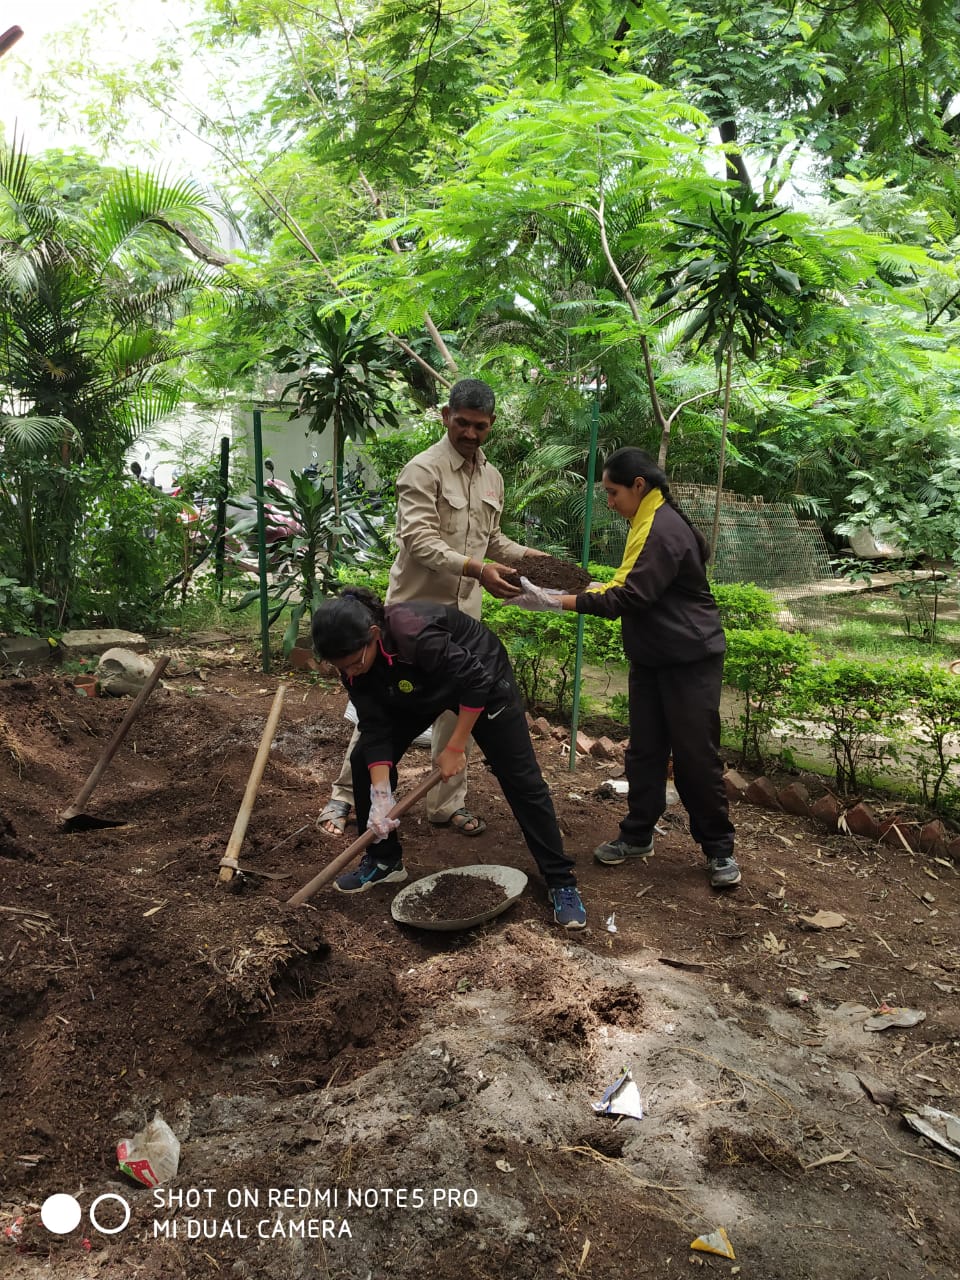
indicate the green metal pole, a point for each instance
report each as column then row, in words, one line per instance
column 220, row 538
column 261, row 540
column 585, row 561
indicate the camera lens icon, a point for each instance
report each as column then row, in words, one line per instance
column 61, row 1214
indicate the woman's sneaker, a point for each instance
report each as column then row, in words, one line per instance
column 568, row 908
column 723, row 872
column 369, row 873
column 614, row 852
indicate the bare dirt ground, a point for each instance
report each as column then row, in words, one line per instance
column 356, row 1099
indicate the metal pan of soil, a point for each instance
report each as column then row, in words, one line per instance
column 458, row 898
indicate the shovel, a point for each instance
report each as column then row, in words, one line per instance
column 74, row 819
column 354, row 850
column 229, row 863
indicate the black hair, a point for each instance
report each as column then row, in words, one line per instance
column 471, row 393
column 342, row 625
column 623, row 466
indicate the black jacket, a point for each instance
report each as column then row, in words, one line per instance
column 668, row 613
column 432, row 658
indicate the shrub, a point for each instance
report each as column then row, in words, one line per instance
column 133, row 541
column 859, row 703
column 374, row 576
column 390, row 451
column 543, row 646
column 20, row 608
column 932, row 730
column 743, row 606
column 761, row 664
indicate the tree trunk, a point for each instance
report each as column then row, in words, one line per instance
column 736, row 169
column 728, row 380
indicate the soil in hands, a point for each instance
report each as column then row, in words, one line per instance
column 455, row 898
column 548, row 571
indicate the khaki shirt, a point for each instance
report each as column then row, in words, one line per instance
column 447, row 512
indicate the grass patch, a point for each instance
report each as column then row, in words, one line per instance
column 875, row 627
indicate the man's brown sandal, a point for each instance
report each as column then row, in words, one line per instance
column 335, row 814
column 467, row 823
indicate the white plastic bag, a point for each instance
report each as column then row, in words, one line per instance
column 151, row 1156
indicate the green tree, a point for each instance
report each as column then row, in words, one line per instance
column 736, row 262
column 86, row 314
column 345, row 382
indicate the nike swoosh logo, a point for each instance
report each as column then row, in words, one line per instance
column 492, row 715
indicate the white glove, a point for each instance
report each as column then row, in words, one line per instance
column 536, row 599
column 381, row 802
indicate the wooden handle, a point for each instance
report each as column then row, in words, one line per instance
column 228, row 863
column 358, row 846
column 110, row 750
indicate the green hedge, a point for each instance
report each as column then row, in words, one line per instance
column 874, row 714
column 743, row 606
column 761, row 664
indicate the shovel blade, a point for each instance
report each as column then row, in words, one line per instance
column 89, row 822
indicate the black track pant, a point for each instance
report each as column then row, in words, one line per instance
column 503, row 736
column 677, row 709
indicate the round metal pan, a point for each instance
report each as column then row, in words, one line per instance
column 513, row 882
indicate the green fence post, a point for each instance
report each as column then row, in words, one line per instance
column 220, row 538
column 261, row 540
column 585, row 562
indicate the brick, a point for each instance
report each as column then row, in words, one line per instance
column 604, row 749
column 897, row 833
column 827, row 811
column 541, row 728
column 560, row 733
column 761, row 791
column 734, row 784
column 77, row 643
column 953, row 850
column 33, row 651
column 862, row 821
column 584, row 744
column 795, row 798
column 301, row 659
column 934, row 837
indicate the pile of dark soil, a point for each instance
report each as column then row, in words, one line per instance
column 548, row 571
column 455, row 898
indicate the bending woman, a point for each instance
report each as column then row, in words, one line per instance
column 675, row 644
column 403, row 666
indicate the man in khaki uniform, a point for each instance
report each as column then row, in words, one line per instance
column 449, row 503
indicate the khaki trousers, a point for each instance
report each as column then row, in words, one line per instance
column 445, row 798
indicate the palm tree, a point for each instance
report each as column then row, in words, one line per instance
column 346, row 380
column 729, row 284
column 88, row 296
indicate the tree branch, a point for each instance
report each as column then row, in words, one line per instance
column 196, row 246
column 431, row 328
